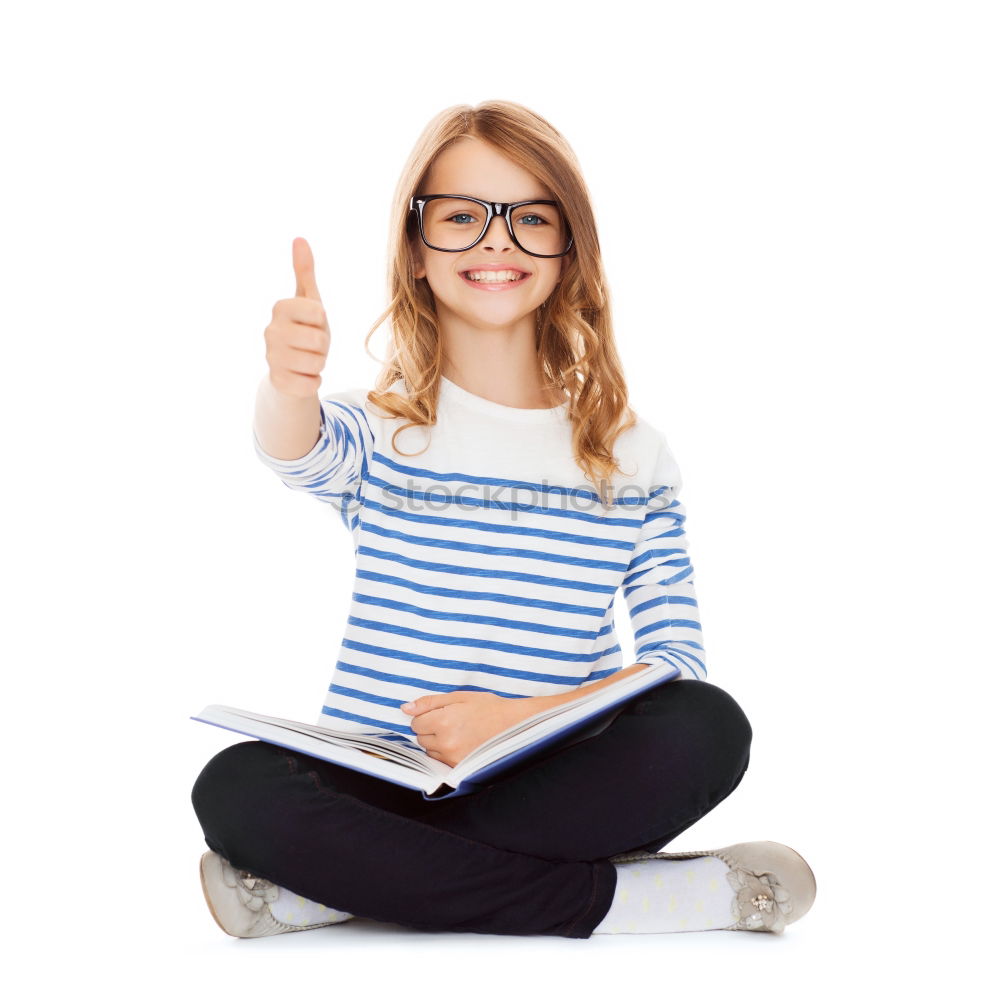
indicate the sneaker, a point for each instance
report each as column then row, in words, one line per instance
column 772, row 884
column 240, row 902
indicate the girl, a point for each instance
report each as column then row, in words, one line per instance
column 499, row 491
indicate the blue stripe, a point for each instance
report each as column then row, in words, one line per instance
column 458, row 640
column 480, row 668
column 471, row 503
column 667, row 623
column 482, row 595
column 415, row 681
column 676, row 578
column 451, row 616
column 499, row 528
column 492, row 574
column 524, row 484
column 506, row 553
column 664, row 599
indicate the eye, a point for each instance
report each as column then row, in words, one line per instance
column 524, row 218
column 457, row 215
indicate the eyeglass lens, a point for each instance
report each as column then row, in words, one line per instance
column 455, row 224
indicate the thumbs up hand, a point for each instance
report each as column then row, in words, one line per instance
column 298, row 336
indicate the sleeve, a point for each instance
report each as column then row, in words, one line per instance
column 659, row 582
column 337, row 465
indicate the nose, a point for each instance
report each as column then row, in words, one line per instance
column 497, row 236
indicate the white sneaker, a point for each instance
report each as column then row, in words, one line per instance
column 240, row 902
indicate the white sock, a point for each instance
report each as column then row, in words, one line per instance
column 657, row 895
column 291, row 908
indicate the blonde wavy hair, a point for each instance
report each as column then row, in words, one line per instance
column 575, row 339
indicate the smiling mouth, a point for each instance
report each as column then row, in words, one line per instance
column 509, row 276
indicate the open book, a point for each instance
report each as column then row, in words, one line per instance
column 384, row 755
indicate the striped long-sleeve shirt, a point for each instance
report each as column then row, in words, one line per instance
column 486, row 562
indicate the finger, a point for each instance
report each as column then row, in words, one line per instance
column 301, row 362
column 304, row 336
column 428, row 702
column 423, row 725
column 305, row 270
column 430, row 719
column 306, row 312
column 420, row 705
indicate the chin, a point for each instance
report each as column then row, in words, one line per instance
column 497, row 319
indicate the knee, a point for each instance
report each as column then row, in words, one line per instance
column 720, row 715
column 227, row 778
column 724, row 714
column 705, row 720
column 726, row 730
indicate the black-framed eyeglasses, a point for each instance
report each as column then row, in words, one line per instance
column 455, row 222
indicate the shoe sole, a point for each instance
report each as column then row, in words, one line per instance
column 208, row 899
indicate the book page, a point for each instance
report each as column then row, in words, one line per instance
column 322, row 742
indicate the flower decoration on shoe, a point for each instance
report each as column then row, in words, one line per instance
column 760, row 902
column 254, row 892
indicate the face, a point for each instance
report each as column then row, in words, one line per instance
column 472, row 167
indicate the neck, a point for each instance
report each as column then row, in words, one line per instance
column 498, row 363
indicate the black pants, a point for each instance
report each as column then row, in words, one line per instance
column 527, row 854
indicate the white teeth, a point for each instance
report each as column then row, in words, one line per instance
column 493, row 276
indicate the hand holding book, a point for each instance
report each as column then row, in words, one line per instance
column 450, row 726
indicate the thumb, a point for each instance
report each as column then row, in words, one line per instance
column 305, row 274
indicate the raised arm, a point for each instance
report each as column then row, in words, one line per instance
column 319, row 446
column 286, row 427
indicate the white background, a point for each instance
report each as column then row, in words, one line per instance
column 798, row 207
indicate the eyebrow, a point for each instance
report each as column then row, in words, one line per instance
column 491, row 200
